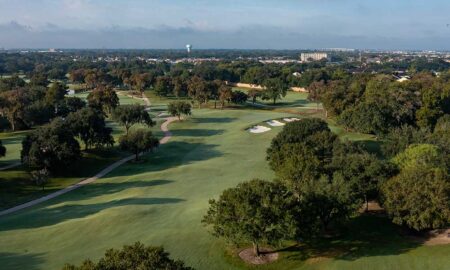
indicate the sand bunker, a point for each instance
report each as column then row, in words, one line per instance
column 275, row 123
column 259, row 129
column 291, row 119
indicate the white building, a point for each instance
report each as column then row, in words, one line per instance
column 307, row 57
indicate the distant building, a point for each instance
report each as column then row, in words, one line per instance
column 307, row 57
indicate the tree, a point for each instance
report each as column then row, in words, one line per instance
column 77, row 75
column 39, row 79
column 129, row 115
column 179, row 108
column 368, row 117
column 398, row 139
column 38, row 113
column 420, row 155
column 435, row 103
column 40, row 177
column 90, row 127
column 364, row 172
column 179, row 87
column 141, row 81
column 52, row 147
column 274, row 89
column 70, row 104
column 136, row 256
column 13, row 105
column 419, row 197
column 254, row 94
column 315, row 91
column 303, row 131
column 225, row 94
column 239, row 97
column 328, row 201
column 255, row 212
column 103, row 98
column 137, row 141
column 295, row 164
column 2, row 149
column 56, row 93
column 198, row 90
column 163, row 86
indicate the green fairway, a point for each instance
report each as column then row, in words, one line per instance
column 13, row 143
column 292, row 99
column 162, row 201
column 124, row 98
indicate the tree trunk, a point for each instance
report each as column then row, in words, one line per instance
column 256, row 249
column 215, row 103
column 274, row 101
column 179, row 117
column 367, row 203
column 137, row 155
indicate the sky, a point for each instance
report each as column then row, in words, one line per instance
column 232, row 24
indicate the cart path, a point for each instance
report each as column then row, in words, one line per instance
column 10, row 166
column 105, row 171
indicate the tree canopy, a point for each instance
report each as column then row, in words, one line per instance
column 256, row 212
column 129, row 115
column 52, row 147
column 140, row 140
column 179, row 108
column 136, row 256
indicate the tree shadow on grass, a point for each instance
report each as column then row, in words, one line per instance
column 213, row 120
column 10, row 260
column 172, row 154
column 197, row 132
column 100, row 189
column 53, row 215
column 365, row 236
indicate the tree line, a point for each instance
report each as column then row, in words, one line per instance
column 321, row 182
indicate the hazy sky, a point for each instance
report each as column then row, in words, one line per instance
column 261, row 24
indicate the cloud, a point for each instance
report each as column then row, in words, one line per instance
column 16, row 35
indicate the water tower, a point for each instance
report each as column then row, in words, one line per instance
column 189, row 48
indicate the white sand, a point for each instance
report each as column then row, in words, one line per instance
column 275, row 123
column 291, row 119
column 259, row 129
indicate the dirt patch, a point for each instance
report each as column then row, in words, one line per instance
column 437, row 237
column 267, row 256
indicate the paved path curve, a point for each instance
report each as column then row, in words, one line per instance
column 165, row 139
column 10, row 166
